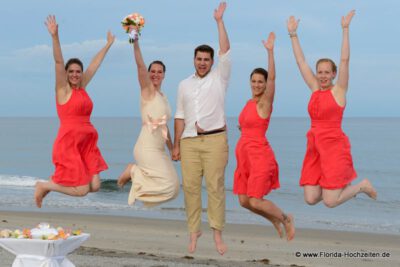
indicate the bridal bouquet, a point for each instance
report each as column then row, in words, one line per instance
column 132, row 25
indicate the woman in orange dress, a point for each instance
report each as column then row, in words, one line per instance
column 328, row 169
column 76, row 157
column 257, row 171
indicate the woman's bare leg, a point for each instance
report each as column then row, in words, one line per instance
column 312, row 194
column 43, row 188
column 333, row 198
column 244, row 202
column 95, row 183
column 269, row 208
column 125, row 176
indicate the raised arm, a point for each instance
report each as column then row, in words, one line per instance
column 224, row 44
column 305, row 69
column 96, row 61
column 268, row 97
column 61, row 77
column 143, row 75
column 343, row 75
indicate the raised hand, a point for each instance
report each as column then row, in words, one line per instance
column 110, row 37
column 269, row 43
column 51, row 25
column 292, row 24
column 347, row 19
column 219, row 12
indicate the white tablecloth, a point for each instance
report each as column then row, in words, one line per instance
column 42, row 253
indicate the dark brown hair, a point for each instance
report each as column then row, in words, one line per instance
column 261, row 71
column 74, row 61
column 204, row 48
column 159, row 62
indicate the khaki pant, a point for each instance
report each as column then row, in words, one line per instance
column 204, row 155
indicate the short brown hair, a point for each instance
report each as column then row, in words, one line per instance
column 204, row 48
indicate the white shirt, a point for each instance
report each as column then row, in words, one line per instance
column 202, row 100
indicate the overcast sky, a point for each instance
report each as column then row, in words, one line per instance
column 174, row 28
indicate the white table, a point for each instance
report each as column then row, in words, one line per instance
column 42, row 253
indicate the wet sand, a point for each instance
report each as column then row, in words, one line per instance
column 127, row 241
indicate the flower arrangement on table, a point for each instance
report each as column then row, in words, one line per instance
column 133, row 24
column 42, row 231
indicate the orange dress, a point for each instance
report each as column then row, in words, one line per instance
column 75, row 153
column 328, row 160
column 257, row 172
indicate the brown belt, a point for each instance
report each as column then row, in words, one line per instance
column 211, row 132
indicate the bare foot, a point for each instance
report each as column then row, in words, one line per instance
column 40, row 193
column 289, row 227
column 367, row 188
column 193, row 241
column 125, row 177
column 219, row 243
column 278, row 228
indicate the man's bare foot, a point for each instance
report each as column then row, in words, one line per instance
column 125, row 177
column 219, row 243
column 367, row 188
column 288, row 222
column 40, row 193
column 193, row 241
column 278, row 228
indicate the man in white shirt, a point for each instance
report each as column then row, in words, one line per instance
column 200, row 136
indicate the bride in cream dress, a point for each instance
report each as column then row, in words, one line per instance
column 154, row 178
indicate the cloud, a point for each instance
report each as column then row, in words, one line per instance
column 89, row 48
column 32, row 52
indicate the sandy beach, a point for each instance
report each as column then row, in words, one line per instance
column 126, row 241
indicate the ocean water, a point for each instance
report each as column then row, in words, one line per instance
column 25, row 157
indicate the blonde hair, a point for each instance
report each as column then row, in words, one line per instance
column 334, row 68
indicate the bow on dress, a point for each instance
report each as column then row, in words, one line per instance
column 153, row 124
